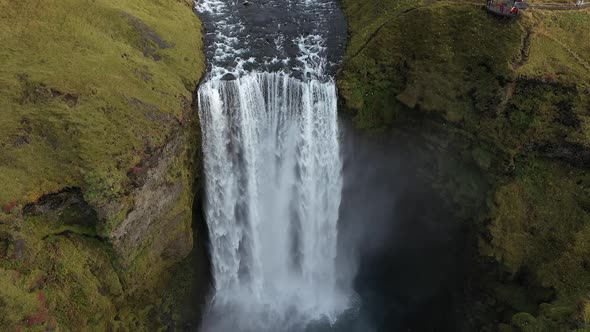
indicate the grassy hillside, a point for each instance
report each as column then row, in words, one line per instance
column 91, row 92
column 86, row 87
column 513, row 98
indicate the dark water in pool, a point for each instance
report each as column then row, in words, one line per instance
column 414, row 255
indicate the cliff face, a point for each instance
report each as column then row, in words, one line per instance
column 509, row 100
column 100, row 151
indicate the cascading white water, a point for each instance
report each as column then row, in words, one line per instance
column 273, row 168
column 274, row 181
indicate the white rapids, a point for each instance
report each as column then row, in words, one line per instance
column 273, row 183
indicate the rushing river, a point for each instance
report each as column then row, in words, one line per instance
column 268, row 111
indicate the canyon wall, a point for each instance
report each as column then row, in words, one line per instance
column 501, row 110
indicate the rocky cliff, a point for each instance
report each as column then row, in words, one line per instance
column 99, row 156
column 502, row 110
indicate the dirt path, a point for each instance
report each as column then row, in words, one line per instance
column 531, row 6
column 560, row 7
column 571, row 52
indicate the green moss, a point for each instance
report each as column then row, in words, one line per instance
column 525, row 322
column 541, row 225
column 15, row 303
column 84, row 284
column 71, row 279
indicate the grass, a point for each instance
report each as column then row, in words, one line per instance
column 512, row 97
column 80, row 101
column 559, row 47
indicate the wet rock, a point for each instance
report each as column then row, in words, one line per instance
column 567, row 116
column 146, row 76
column 151, row 112
column 11, row 247
column 35, row 92
column 20, row 140
column 69, row 205
column 573, row 154
column 228, row 77
column 19, row 248
column 54, row 202
column 22, row 137
column 39, row 92
column 156, row 225
column 70, row 99
column 5, row 242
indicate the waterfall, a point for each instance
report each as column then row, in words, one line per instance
column 272, row 163
column 273, row 178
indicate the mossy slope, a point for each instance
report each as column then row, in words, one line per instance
column 95, row 100
column 87, row 87
column 512, row 98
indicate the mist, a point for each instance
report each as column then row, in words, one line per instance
column 409, row 253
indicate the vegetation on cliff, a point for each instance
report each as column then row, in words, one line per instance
column 512, row 98
column 95, row 100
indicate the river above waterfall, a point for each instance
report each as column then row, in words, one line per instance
column 301, row 38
